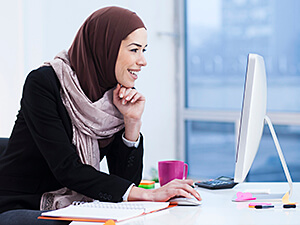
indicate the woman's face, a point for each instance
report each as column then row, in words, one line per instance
column 131, row 57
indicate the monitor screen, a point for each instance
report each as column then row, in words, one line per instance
column 252, row 116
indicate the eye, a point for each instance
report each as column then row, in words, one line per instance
column 144, row 50
column 134, row 50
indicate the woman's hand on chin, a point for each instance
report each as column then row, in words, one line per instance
column 131, row 104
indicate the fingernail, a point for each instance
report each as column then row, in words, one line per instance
column 121, row 95
column 124, row 102
column 127, row 98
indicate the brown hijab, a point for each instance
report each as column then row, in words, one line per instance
column 94, row 51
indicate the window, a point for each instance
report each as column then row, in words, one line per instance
column 219, row 36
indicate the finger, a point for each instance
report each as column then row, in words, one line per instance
column 123, row 94
column 122, row 91
column 187, row 186
column 196, row 195
column 130, row 94
column 137, row 97
column 188, row 181
column 116, row 92
column 190, row 188
column 180, row 181
column 117, row 89
column 192, row 191
column 180, row 193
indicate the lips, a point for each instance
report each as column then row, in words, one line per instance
column 134, row 73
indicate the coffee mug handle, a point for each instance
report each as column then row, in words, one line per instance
column 185, row 170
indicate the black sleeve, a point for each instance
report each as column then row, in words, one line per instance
column 39, row 104
column 126, row 162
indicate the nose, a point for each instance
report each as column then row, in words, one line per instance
column 142, row 60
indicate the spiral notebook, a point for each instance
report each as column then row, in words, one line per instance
column 97, row 211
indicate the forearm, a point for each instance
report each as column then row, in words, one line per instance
column 140, row 194
column 132, row 129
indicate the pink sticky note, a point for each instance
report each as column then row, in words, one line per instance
column 244, row 196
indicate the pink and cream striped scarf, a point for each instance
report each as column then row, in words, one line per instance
column 90, row 121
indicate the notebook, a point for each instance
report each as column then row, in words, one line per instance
column 97, row 211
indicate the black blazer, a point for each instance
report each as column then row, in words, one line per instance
column 40, row 156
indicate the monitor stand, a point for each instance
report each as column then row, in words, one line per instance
column 264, row 196
column 282, row 160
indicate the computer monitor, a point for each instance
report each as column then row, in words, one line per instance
column 252, row 116
column 252, row 120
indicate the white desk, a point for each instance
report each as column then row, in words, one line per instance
column 218, row 208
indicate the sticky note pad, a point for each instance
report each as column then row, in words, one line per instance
column 244, row 196
column 286, row 199
column 147, row 184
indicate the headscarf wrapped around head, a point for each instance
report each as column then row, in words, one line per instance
column 94, row 51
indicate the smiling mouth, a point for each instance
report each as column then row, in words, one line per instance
column 134, row 73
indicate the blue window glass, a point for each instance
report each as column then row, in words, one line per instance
column 219, row 36
column 211, row 151
column 267, row 165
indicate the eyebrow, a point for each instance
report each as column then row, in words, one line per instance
column 138, row 45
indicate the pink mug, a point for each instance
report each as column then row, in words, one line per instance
column 171, row 169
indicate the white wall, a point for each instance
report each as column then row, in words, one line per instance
column 33, row 31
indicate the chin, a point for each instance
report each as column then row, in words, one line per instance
column 128, row 85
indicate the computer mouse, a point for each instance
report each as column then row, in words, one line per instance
column 185, row 201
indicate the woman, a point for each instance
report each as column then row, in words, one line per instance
column 82, row 102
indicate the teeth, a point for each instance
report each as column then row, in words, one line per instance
column 134, row 73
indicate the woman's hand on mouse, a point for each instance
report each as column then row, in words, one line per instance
column 172, row 189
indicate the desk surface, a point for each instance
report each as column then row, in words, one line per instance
column 218, row 208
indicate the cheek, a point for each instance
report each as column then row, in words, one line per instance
column 120, row 73
column 122, row 65
column 118, row 65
